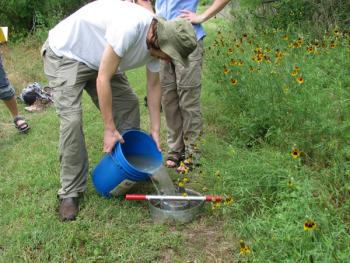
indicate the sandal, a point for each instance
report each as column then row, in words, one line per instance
column 21, row 124
column 173, row 160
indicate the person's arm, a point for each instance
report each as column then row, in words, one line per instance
column 212, row 10
column 108, row 67
column 153, row 101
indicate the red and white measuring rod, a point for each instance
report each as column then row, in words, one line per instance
column 139, row 197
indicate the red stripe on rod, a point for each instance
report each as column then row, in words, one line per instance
column 135, row 197
column 213, row 198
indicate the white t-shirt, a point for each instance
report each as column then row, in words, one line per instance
column 84, row 34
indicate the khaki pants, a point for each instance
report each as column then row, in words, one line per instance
column 69, row 78
column 181, row 89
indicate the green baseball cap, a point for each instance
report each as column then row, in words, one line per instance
column 176, row 38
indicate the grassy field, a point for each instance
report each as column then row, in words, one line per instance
column 280, row 149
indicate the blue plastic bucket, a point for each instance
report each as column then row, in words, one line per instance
column 135, row 160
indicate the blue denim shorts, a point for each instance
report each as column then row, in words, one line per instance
column 6, row 89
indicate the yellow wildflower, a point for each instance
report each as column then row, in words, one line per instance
column 296, row 45
column 233, row 81
column 183, row 169
column 244, row 249
column 300, row 41
column 259, row 59
column 294, row 73
column 228, row 200
column 310, row 49
column 309, row 225
column 300, row 80
column 233, row 62
column 226, row 70
column 295, row 153
column 181, row 184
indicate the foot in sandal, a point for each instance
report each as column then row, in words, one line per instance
column 21, row 124
column 173, row 160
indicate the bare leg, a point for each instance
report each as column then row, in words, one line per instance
column 12, row 106
column 20, row 122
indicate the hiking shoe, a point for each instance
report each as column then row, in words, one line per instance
column 68, row 208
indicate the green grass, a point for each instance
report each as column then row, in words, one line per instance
column 246, row 154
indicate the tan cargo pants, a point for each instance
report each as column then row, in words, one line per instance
column 181, row 89
column 69, row 78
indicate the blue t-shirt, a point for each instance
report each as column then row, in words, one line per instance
column 170, row 9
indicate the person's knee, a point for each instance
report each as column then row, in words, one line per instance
column 7, row 93
column 134, row 111
column 170, row 95
column 132, row 104
column 71, row 120
column 128, row 117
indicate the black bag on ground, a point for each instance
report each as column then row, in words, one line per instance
column 33, row 92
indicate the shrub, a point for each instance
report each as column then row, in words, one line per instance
column 313, row 15
column 25, row 16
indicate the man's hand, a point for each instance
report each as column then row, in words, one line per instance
column 110, row 139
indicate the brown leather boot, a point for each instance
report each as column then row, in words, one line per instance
column 68, row 208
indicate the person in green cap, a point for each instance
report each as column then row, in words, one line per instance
column 181, row 85
column 90, row 50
